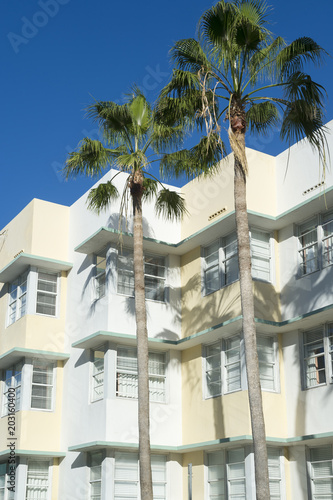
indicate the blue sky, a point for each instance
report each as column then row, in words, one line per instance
column 56, row 55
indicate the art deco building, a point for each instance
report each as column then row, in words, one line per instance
column 68, row 342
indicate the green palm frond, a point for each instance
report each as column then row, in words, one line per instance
column 99, row 198
column 262, row 117
column 170, row 205
column 301, row 87
column 301, row 119
column 189, row 56
column 141, row 115
column 295, row 55
column 150, row 188
column 201, row 159
column 90, row 159
column 130, row 161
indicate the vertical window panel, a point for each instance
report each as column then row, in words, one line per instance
column 37, row 480
column 42, row 385
column 321, row 472
column 261, row 254
column 127, row 374
column 213, row 369
column 314, row 358
column 98, row 374
column 46, row 293
column 308, row 243
column 96, row 476
column 232, row 364
column 13, row 380
column 266, row 356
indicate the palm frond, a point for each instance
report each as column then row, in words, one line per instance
column 170, row 205
column 301, row 87
column 262, row 117
column 90, row 159
column 293, row 57
column 130, row 161
column 188, row 55
column 203, row 158
column 100, row 197
column 113, row 119
column 150, row 188
column 303, row 120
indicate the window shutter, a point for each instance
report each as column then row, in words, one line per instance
column 126, row 483
column 216, row 475
column 232, row 364
column 266, row 356
column 213, row 369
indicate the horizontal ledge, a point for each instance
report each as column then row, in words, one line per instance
column 14, row 355
column 206, row 445
column 231, row 326
column 105, row 235
column 35, row 453
column 18, row 265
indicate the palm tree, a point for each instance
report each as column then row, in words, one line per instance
column 237, row 71
column 130, row 132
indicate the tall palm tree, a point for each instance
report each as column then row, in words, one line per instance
column 130, row 132
column 237, row 71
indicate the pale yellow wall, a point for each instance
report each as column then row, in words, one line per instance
column 224, row 416
column 207, row 195
column 198, row 475
column 50, row 230
column 35, row 331
column 201, row 312
column 17, row 235
column 41, row 229
column 55, row 480
column 37, row 430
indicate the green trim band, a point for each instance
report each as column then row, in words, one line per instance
column 201, row 445
column 51, row 454
column 277, row 324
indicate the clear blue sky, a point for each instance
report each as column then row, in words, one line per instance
column 56, row 54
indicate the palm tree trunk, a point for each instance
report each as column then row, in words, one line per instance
column 249, row 329
column 142, row 341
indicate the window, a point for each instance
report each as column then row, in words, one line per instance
column 98, row 374
column 42, row 385
column 223, row 360
column 12, row 380
column 267, row 362
column 154, row 268
column 127, row 374
column 261, row 255
column 308, row 243
column 318, row 355
column 96, row 475
column 315, row 239
column 17, row 298
column 46, row 293
column 126, row 477
column 100, row 277
column 5, row 493
column 37, row 480
column 321, row 473
column 228, row 469
column 220, row 260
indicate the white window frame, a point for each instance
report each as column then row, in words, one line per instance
column 126, row 255
column 95, row 464
column 222, row 259
column 133, row 477
column 48, row 365
column 322, row 244
column 227, row 365
column 48, row 293
column 219, row 472
column 97, row 374
column 14, row 382
column 44, row 476
column 132, row 373
column 100, row 273
column 323, row 363
column 17, row 300
column 258, row 254
column 312, row 477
